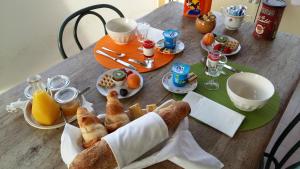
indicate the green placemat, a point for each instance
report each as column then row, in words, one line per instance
column 254, row 119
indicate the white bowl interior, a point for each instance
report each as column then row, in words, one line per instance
column 251, row 86
column 121, row 25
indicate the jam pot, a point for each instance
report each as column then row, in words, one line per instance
column 68, row 100
column 57, row 82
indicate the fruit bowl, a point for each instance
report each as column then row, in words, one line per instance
column 205, row 23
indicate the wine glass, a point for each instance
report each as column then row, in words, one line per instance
column 142, row 32
column 215, row 62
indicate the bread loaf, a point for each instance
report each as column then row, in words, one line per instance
column 100, row 155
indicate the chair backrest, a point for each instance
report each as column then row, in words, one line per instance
column 271, row 156
column 80, row 14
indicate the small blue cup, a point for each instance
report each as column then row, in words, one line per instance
column 180, row 72
column 170, row 38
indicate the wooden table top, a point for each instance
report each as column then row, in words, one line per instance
column 22, row 146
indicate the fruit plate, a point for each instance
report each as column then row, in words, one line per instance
column 210, row 48
column 160, row 47
column 59, row 123
column 131, row 92
column 168, row 84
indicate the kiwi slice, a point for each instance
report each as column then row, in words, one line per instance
column 119, row 75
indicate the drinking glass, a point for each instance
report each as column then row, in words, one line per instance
column 142, row 32
column 214, row 63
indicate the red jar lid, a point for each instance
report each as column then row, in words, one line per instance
column 214, row 56
column 148, row 44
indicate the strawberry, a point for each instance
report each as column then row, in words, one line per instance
column 227, row 50
column 218, row 47
column 129, row 72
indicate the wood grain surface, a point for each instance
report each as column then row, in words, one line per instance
column 22, row 146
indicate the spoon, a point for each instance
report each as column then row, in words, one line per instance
column 120, row 55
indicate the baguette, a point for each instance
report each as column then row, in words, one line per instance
column 100, row 155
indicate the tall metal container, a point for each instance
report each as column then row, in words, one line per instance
column 269, row 18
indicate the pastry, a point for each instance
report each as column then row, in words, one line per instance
column 232, row 44
column 119, row 77
column 115, row 116
column 106, row 81
column 135, row 111
column 101, row 156
column 151, row 107
column 91, row 128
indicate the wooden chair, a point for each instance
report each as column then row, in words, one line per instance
column 80, row 14
column 271, row 155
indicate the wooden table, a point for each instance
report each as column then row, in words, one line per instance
column 22, row 146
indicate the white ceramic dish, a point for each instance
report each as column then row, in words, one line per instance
column 168, row 84
column 209, row 47
column 29, row 119
column 121, row 30
column 131, row 92
column 249, row 91
column 59, row 123
column 179, row 47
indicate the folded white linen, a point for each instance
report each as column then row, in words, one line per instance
column 136, row 138
column 155, row 34
column 214, row 114
column 181, row 148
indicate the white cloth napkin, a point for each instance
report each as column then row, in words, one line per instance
column 134, row 139
column 155, row 34
column 181, row 148
column 214, row 114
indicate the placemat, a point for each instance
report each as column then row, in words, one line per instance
column 253, row 120
column 131, row 51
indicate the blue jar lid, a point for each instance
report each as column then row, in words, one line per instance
column 170, row 33
column 181, row 68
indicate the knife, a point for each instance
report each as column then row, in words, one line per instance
column 231, row 68
column 115, row 59
column 137, row 62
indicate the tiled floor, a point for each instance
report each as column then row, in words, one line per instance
column 291, row 111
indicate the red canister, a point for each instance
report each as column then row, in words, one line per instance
column 269, row 18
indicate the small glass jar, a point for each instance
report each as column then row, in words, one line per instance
column 148, row 51
column 56, row 83
column 28, row 91
column 68, row 100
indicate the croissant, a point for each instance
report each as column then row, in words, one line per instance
column 91, row 128
column 115, row 115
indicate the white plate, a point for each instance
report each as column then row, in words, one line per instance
column 168, row 84
column 179, row 47
column 29, row 119
column 131, row 92
column 209, row 47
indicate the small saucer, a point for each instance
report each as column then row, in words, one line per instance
column 160, row 47
column 168, row 84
